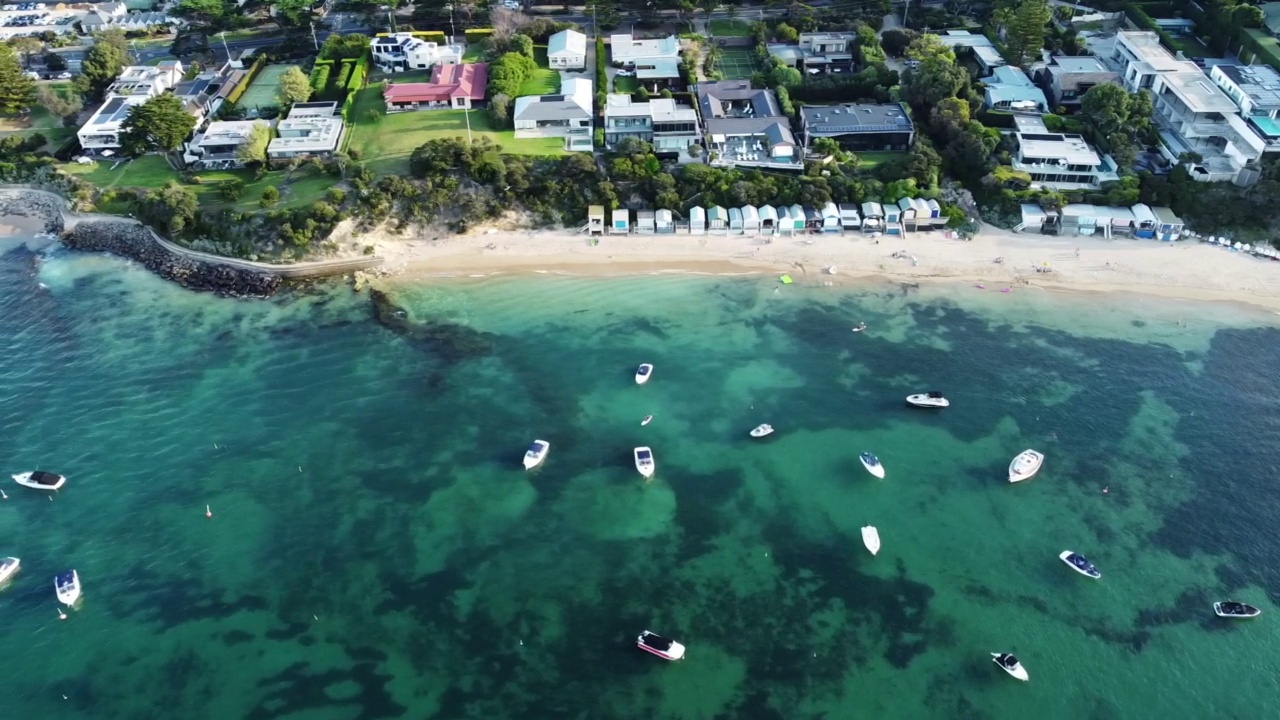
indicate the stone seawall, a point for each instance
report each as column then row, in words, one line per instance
column 29, row 202
column 136, row 241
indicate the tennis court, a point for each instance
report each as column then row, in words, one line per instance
column 737, row 64
column 264, row 91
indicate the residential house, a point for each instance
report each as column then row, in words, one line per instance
column 1271, row 17
column 984, row 51
column 403, row 51
column 146, row 80
column 311, row 130
column 567, row 50
column 818, row 53
column 454, row 87
column 103, row 16
column 1192, row 114
column 1008, row 88
column 621, row 222
column 1255, row 89
column 663, row 222
column 1060, row 161
column 1069, row 78
column 859, row 127
column 670, row 127
column 204, row 94
column 100, row 134
column 143, row 21
column 744, row 126
column 657, row 59
column 697, row 221
column 217, row 146
column 567, row 115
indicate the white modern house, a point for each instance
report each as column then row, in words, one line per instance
column 567, row 115
column 100, row 134
column 1192, row 113
column 657, row 59
column 1255, row 89
column 567, row 50
column 146, row 80
column 1062, row 162
column 216, row 147
column 984, row 51
column 312, row 130
column 401, row 52
column 670, row 127
column 1069, row 78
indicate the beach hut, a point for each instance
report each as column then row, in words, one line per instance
column 1120, row 221
column 697, row 221
column 812, row 220
column 768, row 219
column 907, row 214
column 644, row 222
column 1034, row 219
column 717, row 220
column 663, row 222
column 1144, row 221
column 923, row 222
column 935, row 213
column 621, row 222
column 750, row 220
column 872, row 217
column 1170, row 226
column 796, row 215
column 849, row 217
column 1079, row 219
column 892, row 219
column 830, row 218
column 595, row 219
column 735, row 221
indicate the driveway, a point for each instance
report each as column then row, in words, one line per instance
column 588, row 69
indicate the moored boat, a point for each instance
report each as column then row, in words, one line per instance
column 764, row 430
column 1231, row 609
column 1080, row 564
column 644, row 461
column 1010, row 664
column 40, row 480
column 871, row 538
column 67, row 587
column 536, row 453
column 643, row 373
column 8, row 568
column 662, row 647
column 872, row 464
column 1025, row 465
column 931, row 399
column 647, row 419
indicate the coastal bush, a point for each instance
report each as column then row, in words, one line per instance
column 341, row 47
column 231, row 189
column 320, row 77
column 270, row 196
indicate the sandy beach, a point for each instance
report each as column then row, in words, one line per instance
column 1187, row 269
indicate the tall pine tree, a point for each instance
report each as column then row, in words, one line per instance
column 161, row 123
column 1025, row 24
column 17, row 91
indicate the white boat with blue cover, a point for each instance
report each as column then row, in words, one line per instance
column 644, row 461
column 40, row 480
column 931, row 399
column 764, row 430
column 8, row 568
column 67, row 587
column 643, row 373
column 536, row 453
column 1080, row 564
column 872, row 464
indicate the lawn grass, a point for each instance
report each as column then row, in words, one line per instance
column 625, row 84
column 874, row 159
column 475, row 52
column 730, row 28
column 1265, row 47
column 385, row 142
column 1191, row 47
column 544, row 80
column 148, row 171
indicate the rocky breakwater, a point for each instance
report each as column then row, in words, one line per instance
column 137, row 242
column 24, row 202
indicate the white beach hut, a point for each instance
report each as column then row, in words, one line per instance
column 830, row 218
column 717, row 220
column 849, row 217
column 644, row 222
column 750, row 220
column 768, row 219
column 907, row 214
column 735, row 221
column 621, row 222
column 697, row 221
column 872, row 217
column 922, row 214
column 663, row 222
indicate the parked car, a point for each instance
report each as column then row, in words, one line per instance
column 626, row 73
column 511, row 4
column 64, row 76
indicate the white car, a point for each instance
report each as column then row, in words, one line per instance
column 64, row 76
column 626, row 73
column 511, row 4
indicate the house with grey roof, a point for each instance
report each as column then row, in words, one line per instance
column 567, row 115
column 1069, row 78
column 984, row 51
column 567, row 50
column 100, row 134
column 670, row 127
column 859, row 127
column 745, row 126
column 818, row 53
column 1255, row 89
column 1008, row 88
column 656, row 59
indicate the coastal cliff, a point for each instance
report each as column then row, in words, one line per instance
column 136, row 241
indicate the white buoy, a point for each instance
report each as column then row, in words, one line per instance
column 208, row 512
column 3, row 495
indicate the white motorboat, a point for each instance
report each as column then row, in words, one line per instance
column 660, row 646
column 1080, row 564
column 647, row 419
column 1010, row 664
column 536, row 453
column 860, row 327
column 643, row 373
column 872, row 464
column 931, row 399
column 8, row 568
column 67, row 586
column 40, row 480
column 1025, row 465
column 871, row 538
column 764, row 430
column 1229, row 609
column 644, row 461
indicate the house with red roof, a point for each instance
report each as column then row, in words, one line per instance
column 456, row 87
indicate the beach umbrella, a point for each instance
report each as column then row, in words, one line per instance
column 1246, row 247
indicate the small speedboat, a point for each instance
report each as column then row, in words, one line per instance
column 8, row 568
column 872, row 464
column 536, row 453
column 1010, row 664
column 67, row 586
column 660, row 646
column 860, row 327
column 643, row 373
column 1229, row 609
column 764, row 430
column 40, row 480
column 871, row 538
column 644, row 461
column 931, row 399
column 1025, row 465
column 1080, row 564
column 647, row 419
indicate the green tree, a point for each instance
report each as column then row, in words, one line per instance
column 231, row 189
column 523, row 44
column 270, row 196
column 292, row 13
column 17, row 91
column 26, row 47
column 99, row 69
column 895, row 41
column 161, row 123
column 172, row 207
column 254, row 149
column 935, row 78
column 295, row 86
column 209, row 13
column 786, row 33
column 1117, row 120
column 1025, row 23
column 62, row 105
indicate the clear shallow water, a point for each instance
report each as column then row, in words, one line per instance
column 376, row 550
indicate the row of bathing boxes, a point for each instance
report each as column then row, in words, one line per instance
column 907, row 215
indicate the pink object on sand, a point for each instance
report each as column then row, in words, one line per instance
column 1007, row 290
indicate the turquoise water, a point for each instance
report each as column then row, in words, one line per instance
column 376, row 550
